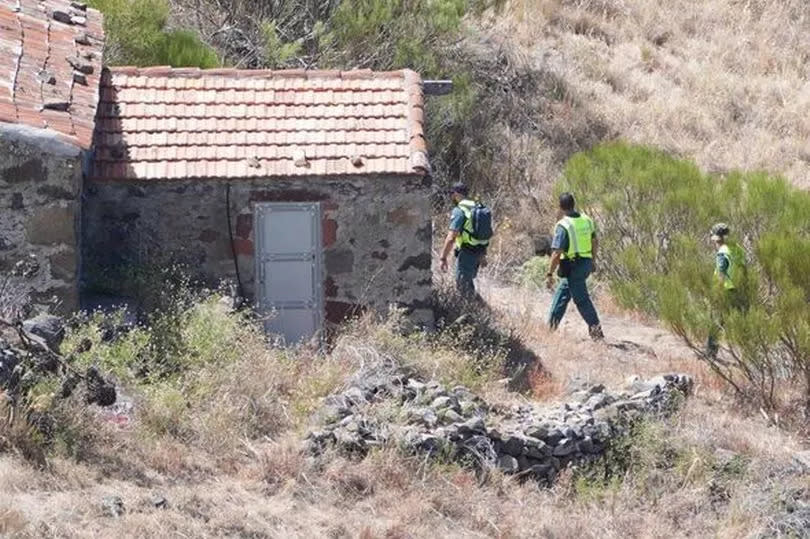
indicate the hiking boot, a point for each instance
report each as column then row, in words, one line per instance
column 596, row 333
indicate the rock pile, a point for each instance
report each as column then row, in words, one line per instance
column 386, row 405
column 36, row 357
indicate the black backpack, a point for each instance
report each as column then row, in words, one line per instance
column 481, row 222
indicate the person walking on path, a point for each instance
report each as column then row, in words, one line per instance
column 573, row 257
column 470, row 252
column 729, row 271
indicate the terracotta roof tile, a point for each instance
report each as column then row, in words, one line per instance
column 37, row 85
column 162, row 123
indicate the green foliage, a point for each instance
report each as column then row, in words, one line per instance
column 655, row 211
column 532, row 273
column 652, row 462
column 137, row 34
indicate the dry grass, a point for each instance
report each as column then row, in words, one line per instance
column 252, row 480
column 724, row 82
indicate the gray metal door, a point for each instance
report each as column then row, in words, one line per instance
column 288, row 268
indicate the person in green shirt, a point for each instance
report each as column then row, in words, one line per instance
column 470, row 253
column 729, row 271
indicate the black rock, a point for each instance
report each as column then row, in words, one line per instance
column 159, row 501
column 49, row 328
column 99, row 390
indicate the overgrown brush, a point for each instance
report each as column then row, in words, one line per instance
column 655, row 212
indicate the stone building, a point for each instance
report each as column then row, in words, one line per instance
column 50, row 66
column 308, row 189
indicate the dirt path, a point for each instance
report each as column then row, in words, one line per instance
column 631, row 346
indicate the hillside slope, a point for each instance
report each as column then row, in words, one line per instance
column 726, row 82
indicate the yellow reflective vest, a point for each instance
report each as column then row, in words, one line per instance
column 736, row 264
column 580, row 232
column 466, row 236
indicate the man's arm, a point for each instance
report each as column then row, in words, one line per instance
column 552, row 267
column 558, row 245
column 594, row 249
column 449, row 242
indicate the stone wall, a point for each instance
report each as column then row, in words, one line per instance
column 376, row 233
column 387, row 405
column 40, row 186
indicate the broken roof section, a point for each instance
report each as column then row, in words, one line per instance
column 163, row 123
column 51, row 54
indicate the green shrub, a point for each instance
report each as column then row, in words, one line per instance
column 654, row 213
column 532, row 273
column 136, row 34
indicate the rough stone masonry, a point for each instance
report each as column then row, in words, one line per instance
column 40, row 186
column 388, row 405
column 376, row 233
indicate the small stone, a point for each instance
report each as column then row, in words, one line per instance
column 80, row 65
column 802, row 458
column 542, row 471
column 80, row 78
column 553, row 437
column 61, row 16
column 357, row 161
column 538, row 432
column 48, row 327
column 300, row 158
column 59, row 105
column 416, row 385
column 80, row 6
column 354, row 396
column 83, row 39
column 473, row 426
column 513, row 446
column 78, row 20
column 598, row 401
column 537, row 449
column 112, row 506
column 440, row 402
column 598, row 388
column 586, row 445
column 508, row 464
column 159, row 502
column 45, row 76
column 452, row 416
column 565, row 447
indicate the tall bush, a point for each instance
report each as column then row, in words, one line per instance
column 137, row 33
column 654, row 212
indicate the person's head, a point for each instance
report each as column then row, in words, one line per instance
column 567, row 203
column 458, row 192
column 719, row 233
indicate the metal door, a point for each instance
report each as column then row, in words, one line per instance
column 288, row 268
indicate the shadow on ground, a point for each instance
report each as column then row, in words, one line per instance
column 473, row 325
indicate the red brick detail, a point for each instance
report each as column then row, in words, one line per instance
column 244, row 225
column 330, row 288
column 330, row 227
column 243, row 246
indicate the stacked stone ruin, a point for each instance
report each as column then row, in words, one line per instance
column 388, row 406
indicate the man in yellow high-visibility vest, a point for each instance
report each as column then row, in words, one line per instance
column 470, row 252
column 574, row 250
column 729, row 272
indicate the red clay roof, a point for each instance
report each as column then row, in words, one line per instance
column 163, row 123
column 50, row 66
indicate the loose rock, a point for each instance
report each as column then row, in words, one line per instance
column 533, row 440
column 112, row 506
